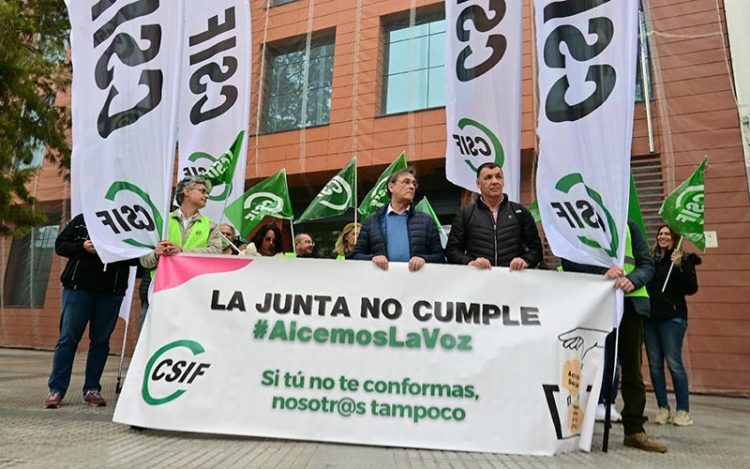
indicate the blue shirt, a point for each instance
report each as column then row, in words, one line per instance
column 397, row 236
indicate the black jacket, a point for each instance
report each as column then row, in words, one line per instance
column 475, row 234
column 85, row 270
column 644, row 268
column 683, row 281
column 424, row 240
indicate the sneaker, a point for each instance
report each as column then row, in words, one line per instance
column 643, row 441
column 93, row 398
column 53, row 400
column 600, row 412
column 662, row 417
column 614, row 416
column 683, row 419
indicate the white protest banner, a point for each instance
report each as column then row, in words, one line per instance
column 587, row 62
column 214, row 105
column 483, row 90
column 124, row 104
column 446, row 358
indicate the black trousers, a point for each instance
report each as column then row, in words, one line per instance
column 629, row 353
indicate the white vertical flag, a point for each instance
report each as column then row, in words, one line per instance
column 124, row 119
column 483, row 90
column 215, row 97
column 587, row 62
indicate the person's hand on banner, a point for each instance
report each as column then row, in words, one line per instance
column 623, row 283
column 380, row 261
column 416, row 263
column 518, row 264
column 481, row 263
column 166, row 247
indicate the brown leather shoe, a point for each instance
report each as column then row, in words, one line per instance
column 53, row 400
column 646, row 443
column 93, row 398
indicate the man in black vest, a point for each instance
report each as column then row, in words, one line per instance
column 494, row 231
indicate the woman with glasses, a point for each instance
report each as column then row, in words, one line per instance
column 266, row 242
column 346, row 241
column 665, row 330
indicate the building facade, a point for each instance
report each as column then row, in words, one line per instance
column 333, row 79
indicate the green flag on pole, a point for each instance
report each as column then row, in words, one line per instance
column 534, row 210
column 425, row 207
column 378, row 195
column 336, row 197
column 682, row 210
column 222, row 170
column 268, row 197
column 634, row 208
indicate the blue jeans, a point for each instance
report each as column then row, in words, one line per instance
column 664, row 340
column 79, row 308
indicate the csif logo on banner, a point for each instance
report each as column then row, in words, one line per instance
column 169, row 367
column 583, row 209
column 211, row 72
column 496, row 44
column 476, row 140
column 603, row 77
column 130, row 215
column 127, row 50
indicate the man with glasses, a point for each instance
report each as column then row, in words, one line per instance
column 494, row 231
column 397, row 232
column 188, row 229
column 303, row 245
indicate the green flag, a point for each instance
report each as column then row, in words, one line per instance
column 682, row 210
column 336, row 197
column 634, row 208
column 425, row 207
column 222, row 170
column 268, row 197
column 378, row 195
column 534, row 210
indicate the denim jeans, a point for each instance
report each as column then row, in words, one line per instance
column 664, row 341
column 79, row 308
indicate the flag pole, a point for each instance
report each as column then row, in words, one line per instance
column 291, row 228
column 679, row 245
column 230, row 243
column 118, row 386
column 355, row 192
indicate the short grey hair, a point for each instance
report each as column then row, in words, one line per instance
column 409, row 170
column 187, row 183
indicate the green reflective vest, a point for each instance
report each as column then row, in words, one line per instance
column 197, row 238
column 630, row 266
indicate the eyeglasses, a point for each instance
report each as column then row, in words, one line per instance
column 201, row 190
column 409, row 182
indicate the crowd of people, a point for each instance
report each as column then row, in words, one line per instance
column 492, row 232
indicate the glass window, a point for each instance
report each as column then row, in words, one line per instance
column 298, row 87
column 415, row 66
column 28, row 267
column 275, row 3
column 37, row 158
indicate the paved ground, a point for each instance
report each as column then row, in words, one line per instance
column 81, row 436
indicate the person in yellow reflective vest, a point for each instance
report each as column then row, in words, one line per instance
column 631, row 279
column 188, row 230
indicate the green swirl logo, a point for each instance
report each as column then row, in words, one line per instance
column 169, row 370
column 497, row 147
column 124, row 186
column 568, row 182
